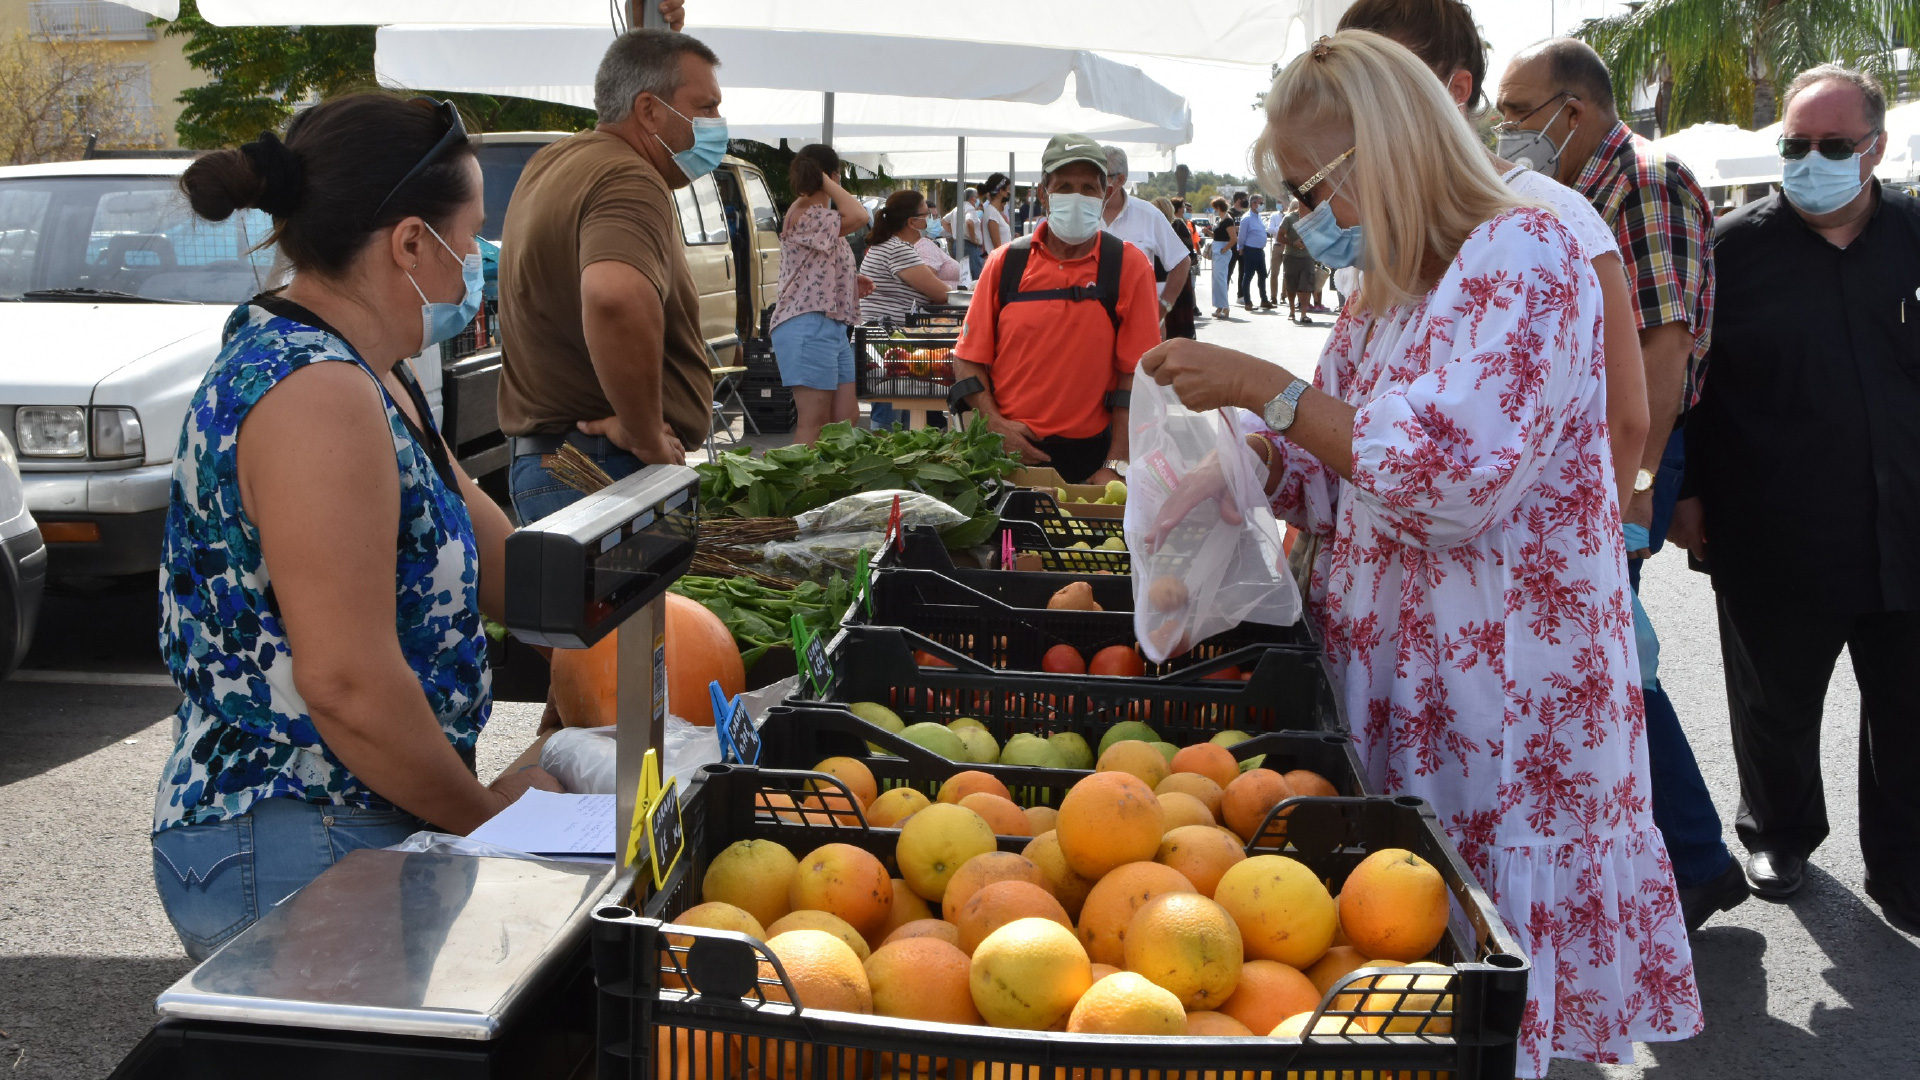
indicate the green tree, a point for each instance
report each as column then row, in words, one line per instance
column 1726, row 61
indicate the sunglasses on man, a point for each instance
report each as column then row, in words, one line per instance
column 1838, row 148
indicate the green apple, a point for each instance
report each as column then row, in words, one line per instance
column 1074, row 751
column 1028, row 749
column 938, row 739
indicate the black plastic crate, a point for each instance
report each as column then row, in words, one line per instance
column 1013, row 629
column 802, row 736
column 926, row 373
column 1057, row 523
column 705, row 1005
column 772, row 409
column 1285, row 689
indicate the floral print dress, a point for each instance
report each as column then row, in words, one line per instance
column 1471, row 588
column 243, row 733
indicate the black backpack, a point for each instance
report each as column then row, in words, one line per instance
column 1105, row 287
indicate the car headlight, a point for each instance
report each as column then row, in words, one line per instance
column 8, row 458
column 117, row 434
column 51, row 430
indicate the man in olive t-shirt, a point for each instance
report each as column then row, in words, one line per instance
column 599, row 315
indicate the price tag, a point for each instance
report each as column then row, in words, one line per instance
column 665, row 836
column 893, row 526
column 739, row 739
column 811, row 652
column 863, row 580
column 644, row 795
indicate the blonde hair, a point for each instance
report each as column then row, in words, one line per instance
column 1165, row 206
column 1419, row 178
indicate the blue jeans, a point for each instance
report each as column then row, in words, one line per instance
column 1682, row 808
column 536, row 493
column 976, row 258
column 1222, row 276
column 215, row 880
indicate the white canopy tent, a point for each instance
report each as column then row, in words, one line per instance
column 1721, row 155
column 1245, row 31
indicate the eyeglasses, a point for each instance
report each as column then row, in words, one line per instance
column 1299, row 191
column 1509, row 127
column 456, row 134
column 1838, row 148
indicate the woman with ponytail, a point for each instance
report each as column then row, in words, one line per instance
column 819, row 294
column 902, row 280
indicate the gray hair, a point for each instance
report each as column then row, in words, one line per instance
column 642, row 62
column 1873, row 98
column 1116, row 161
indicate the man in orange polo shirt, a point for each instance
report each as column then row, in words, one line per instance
column 1057, row 323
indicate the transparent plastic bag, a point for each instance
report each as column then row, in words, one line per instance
column 1203, row 576
column 582, row 759
column 869, row 511
column 816, row 556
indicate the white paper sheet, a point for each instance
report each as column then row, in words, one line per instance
column 548, row 823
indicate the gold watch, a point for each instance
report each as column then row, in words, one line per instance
column 1642, row 482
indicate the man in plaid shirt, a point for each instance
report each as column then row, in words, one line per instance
column 1556, row 99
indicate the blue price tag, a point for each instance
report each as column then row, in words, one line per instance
column 739, row 739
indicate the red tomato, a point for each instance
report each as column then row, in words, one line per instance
column 1232, row 673
column 1117, row 660
column 1063, row 660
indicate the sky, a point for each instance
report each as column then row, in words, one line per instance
column 1221, row 95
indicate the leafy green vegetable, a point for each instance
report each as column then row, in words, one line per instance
column 960, row 468
column 760, row 618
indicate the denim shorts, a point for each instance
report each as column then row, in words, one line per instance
column 813, row 351
column 216, row 879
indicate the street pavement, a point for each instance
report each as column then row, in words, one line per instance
column 1821, row 985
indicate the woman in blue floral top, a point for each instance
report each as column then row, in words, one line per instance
column 326, row 563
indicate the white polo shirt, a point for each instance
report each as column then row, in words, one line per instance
column 1141, row 224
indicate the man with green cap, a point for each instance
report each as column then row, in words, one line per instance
column 1058, row 321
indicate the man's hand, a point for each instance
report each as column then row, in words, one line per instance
column 1689, row 527
column 515, row 784
column 663, row 449
column 1639, row 512
column 1019, row 439
column 863, row 285
column 1104, row 476
column 675, row 12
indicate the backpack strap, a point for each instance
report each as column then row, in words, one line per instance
column 1105, row 288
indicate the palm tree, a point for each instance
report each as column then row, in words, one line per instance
column 1725, row 60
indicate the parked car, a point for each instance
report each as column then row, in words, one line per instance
column 23, row 564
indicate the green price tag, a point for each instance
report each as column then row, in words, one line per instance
column 811, row 654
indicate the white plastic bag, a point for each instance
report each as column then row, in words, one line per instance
column 1204, row 576
column 582, row 759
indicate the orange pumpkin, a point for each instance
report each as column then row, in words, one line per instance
column 700, row 650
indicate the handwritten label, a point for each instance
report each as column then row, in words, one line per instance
column 812, row 655
column 665, row 836
column 739, row 739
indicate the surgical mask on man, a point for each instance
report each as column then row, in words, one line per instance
column 934, row 229
column 1329, row 244
column 438, row 321
column 1074, row 218
column 1532, row 148
column 709, row 145
column 1817, row 184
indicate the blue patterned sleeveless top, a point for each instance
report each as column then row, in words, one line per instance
column 243, row 733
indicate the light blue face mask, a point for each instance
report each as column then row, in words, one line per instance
column 709, row 145
column 438, row 322
column 1075, row 219
column 934, row 229
column 1329, row 244
column 1817, row 184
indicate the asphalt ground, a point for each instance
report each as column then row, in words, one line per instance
column 1820, row 985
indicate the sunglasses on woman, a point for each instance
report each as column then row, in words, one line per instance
column 455, row 135
column 1838, row 148
column 1299, row 191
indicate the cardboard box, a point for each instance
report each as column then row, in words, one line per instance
column 1050, row 481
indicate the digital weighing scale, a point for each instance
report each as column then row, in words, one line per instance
column 425, row 965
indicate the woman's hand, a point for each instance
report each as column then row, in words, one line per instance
column 863, row 285
column 515, row 784
column 1209, row 481
column 1207, row 377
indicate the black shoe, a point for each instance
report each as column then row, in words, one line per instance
column 1776, row 874
column 1723, row 893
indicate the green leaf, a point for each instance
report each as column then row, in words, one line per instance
column 937, row 471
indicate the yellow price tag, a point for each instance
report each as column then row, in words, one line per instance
column 643, row 799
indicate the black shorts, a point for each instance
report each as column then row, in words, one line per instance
column 1076, row 459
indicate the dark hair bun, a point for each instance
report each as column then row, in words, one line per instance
column 219, row 183
column 283, row 180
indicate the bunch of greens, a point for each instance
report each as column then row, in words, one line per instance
column 761, row 618
column 960, row 468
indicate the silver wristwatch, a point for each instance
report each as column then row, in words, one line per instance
column 1279, row 412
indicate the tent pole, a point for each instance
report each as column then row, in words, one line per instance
column 826, row 119
column 960, row 199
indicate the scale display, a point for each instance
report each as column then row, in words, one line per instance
column 577, row 573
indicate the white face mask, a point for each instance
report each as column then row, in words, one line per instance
column 1075, row 218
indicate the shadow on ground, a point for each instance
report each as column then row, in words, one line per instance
column 46, row 725
column 75, row 1017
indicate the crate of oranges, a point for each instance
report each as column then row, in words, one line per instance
column 795, row 938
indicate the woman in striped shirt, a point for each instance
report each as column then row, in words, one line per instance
column 902, row 280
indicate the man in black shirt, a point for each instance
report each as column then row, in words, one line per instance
column 1804, row 455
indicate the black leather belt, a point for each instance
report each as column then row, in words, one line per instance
column 547, row 444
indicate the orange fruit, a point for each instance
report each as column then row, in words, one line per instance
column 896, row 805
column 1042, row 819
column 1182, row 809
column 1115, row 898
column 1028, row 974
column 1353, row 1000
column 1283, row 911
column 927, row 928
column 1135, row 757
column 824, row 970
column 1202, row 852
column 1293, row 1026
column 1001, row 902
column 907, row 907
column 1394, row 906
column 809, row 810
column 983, row 870
column 1308, row 782
column 1006, row 818
column 1101, row 971
column 922, row 979
column 754, row 876
column 1411, row 1010
column 1340, row 961
column 1127, row 1004
column 967, row 781
column 693, row 1054
column 937, row 842
column 851, row 772
column 1187, row 944
column 1247, row 800
column 825, row 922
column 1269, row 992
column 847, row 881
column 1117, row 660
column 1109, row 819
column 712, row 915
column 1211, row 760
column 1205, row 1023
column 1064, row 660
column 1188, row 783
column 1066, row 886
